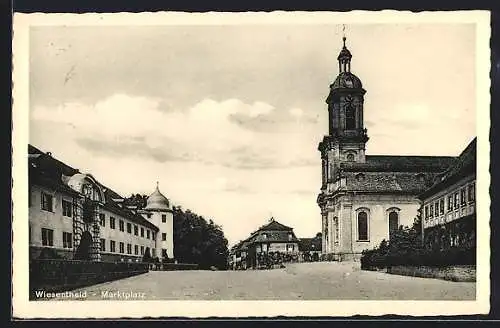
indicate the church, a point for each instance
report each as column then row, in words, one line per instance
column 364, row 197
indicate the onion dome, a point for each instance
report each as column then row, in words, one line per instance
column 157, row 201
column 346, row 80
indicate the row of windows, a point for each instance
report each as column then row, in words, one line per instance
column 455, row 200
column 138, row 250
column 47, row 204
column 48, row 240
column 265, row 235
column 362, row 219
column 121, row 226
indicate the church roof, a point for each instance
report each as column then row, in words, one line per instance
column 388, row 163
column 465, row 165
column 394, row 182
column 45, row 170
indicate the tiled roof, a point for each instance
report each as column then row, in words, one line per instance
column 463, row 166
column 275, row 226
column 386, row 163
column 403, row 182
column 47, row 171
column 306, row 244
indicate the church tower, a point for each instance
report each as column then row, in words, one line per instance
column 346, row 137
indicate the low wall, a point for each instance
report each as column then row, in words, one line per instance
column 60, row 275
column 463, row 273
column 173, row 266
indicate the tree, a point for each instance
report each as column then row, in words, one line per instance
column 198, row 241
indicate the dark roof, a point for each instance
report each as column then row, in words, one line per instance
column 393, row 182
column 46, row 170
column 464, row 166
column 306, row 244
column 387, row 163
column 274, row 226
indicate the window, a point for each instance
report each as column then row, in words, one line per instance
column 463, row 197
column 47, row 237
column 436, row 209
column 103, row 245
column 362, row 226
column 129, row 227
column 350, row 157
column 163, row 236
column 102, row 219
column 112, row 223
column 148, row 215
column 441, row 206
column 136, row 230
column 290, row 236
column 163, row 218
column 142, row 232
column 122, row 247
column 393, row 222
column 67, row 208
column 152, row 235
column 47, row 202
column 153, row 252
column 147, row 234
column 136, row 250
column 67, row 240
column 431, row 211
column 121, row 225
column 129, row 248
column 426, row 211
column 450, row 203
column 455, row 199
column 350, row 119
column 471, row 192
column 112, row 246
column 337, row 229
column 142, row 250
column 264, row 235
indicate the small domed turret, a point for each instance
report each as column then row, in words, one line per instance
column 157, row 201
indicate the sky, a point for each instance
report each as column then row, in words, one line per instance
column 228, row 118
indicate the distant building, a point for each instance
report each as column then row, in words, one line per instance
column 310, row 248
column 273, row 239
column 364, row 198
column 73, row 216
column 449, row 206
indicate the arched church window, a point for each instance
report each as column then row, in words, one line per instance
column 336, row 226
column 350, row 119
column 362, row 226
column 393, row 222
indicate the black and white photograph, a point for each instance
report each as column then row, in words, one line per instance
column 265, row 158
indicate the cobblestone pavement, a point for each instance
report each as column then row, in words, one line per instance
column 302, row 281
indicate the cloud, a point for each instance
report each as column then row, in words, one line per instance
column 208, row 132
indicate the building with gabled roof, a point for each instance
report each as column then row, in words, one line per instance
column 449, row 206
column 363, row 198
column 272, row 237
column 74, row 216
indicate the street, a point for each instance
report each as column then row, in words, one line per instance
column 301, row 281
